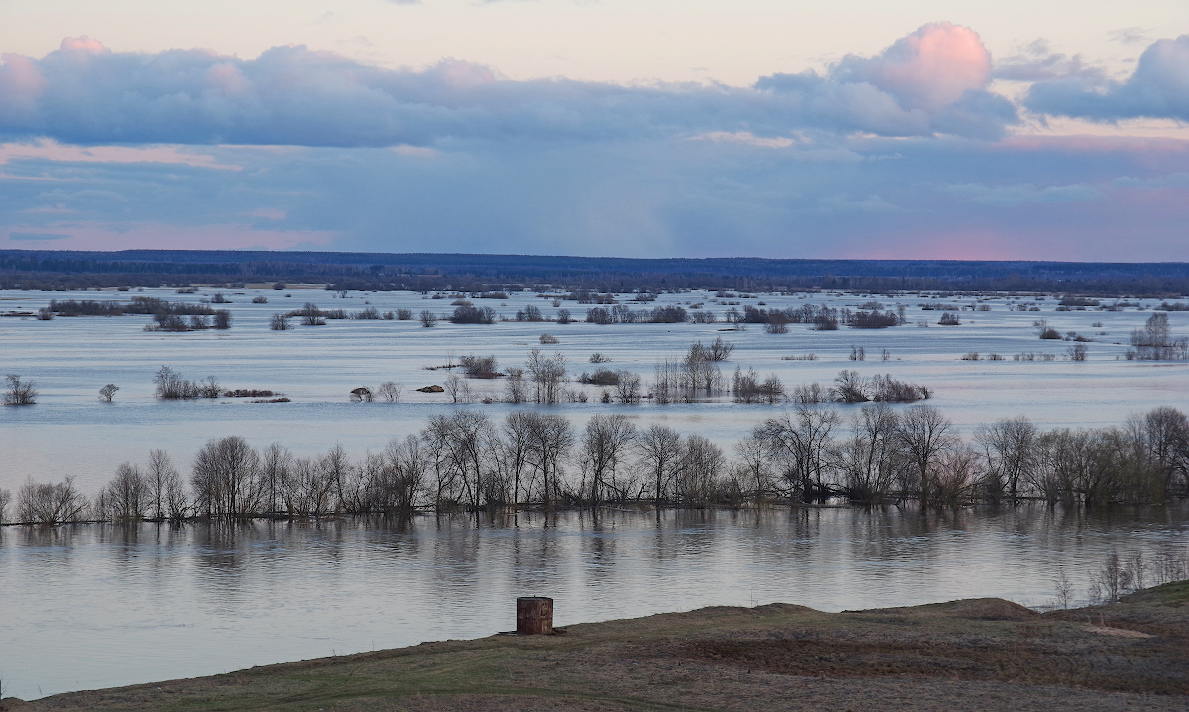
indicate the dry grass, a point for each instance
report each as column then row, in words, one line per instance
column 984, row 654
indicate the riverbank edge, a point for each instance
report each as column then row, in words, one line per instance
column 941, row 654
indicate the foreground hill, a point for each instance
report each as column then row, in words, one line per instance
column 979, row 654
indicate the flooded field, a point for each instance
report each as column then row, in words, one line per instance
column 71, row 433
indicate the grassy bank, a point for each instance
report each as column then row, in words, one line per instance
column 982, row 654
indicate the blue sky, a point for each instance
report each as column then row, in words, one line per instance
column 642, row 129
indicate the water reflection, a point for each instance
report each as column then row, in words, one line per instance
column 164, row 601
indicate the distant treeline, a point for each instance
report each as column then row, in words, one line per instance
column 45, row 269
column 467, row 461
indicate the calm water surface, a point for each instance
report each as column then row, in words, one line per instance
column 96, row 605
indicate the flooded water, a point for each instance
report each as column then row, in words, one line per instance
column 71, row 433
column 95, row 605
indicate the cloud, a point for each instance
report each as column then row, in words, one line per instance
column 36, row 236
column 932, row 81
column 1035, row 62
column 1129, row 35
column 1159, row 88
column 1011, row 195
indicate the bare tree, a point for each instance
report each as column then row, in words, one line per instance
column 428, row 318
column 1009, row 452
column 514, row 387
column 108, row 392
column 660, row 454
column 603, row 447
column 753, row 469
column 627, row 388
column 871, row 460
column 802, row 442
column 550, row 438
column 162, row 479
column 925, row 434
column 278, row 322
column 275, row 468
column 516, row 449
column 548, row 374
column 50, row 503
column 465, row 437
column 5, row 498
column 702, row 465
column 19, row 392
column 225, row 479
column 126, row 497
column 390, row 391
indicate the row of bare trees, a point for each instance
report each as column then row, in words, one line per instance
column 467, row 461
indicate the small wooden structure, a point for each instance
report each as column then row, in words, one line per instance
column 534, row 615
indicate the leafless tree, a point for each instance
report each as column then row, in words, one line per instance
column 18, row 392
column 627, row 387
column 390, row 391
column 660, row 455
column 702, row 465
column 5, row 498
column 108, row 392
column 50, row 503
column 275, row 466
column 465, row 437
column 1164, row 432
column 1009, row 453
column 126, row 498
column 550, row 440
column 548, row 374
column 954, row 476
column 162, row 479
column 278, row 322
column 802, row 441
column 514, row 387
column 871, row 460
column 428, row 318
column 752, row 468
column 602, row 450
column 516, row 449
column 225, row 479
column 925, row 434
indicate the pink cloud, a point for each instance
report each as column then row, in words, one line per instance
column 930, row 68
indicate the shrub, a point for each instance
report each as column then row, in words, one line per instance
column 45, row 314
column 368, row 313
column 480, row 366
column 529, row 313
column 260, row 299
column 548, row 339
column 18, row 392
column 428, row 318
column 949, row 319
column 278, row 322
column 222, row 319
column 601, row 377
column 404, row 314
column 466, row 314
column 874, row 319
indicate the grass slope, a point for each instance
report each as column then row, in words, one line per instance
column 981, row 654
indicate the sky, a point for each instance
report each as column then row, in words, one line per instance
column 637, row 128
